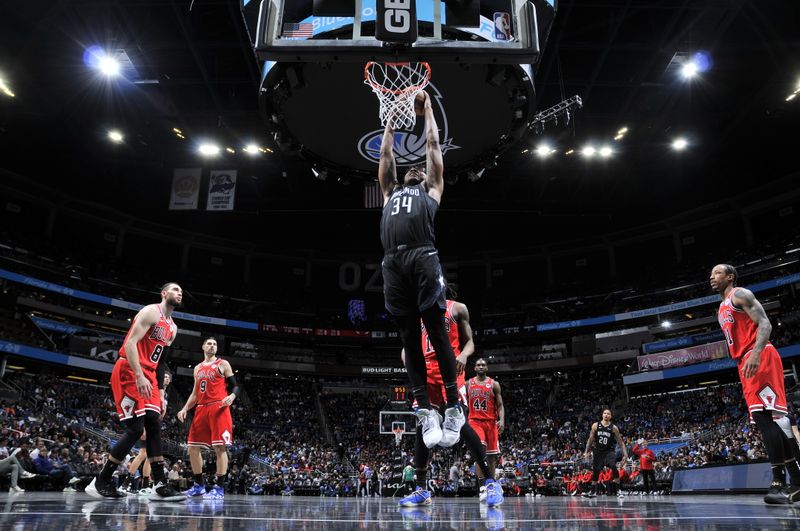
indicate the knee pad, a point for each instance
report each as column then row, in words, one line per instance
column 152, row 423
column 133, row 430
column 785, row 425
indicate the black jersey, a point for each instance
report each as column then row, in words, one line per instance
column 408, row 218
column 605, row 440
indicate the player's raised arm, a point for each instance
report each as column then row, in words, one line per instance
column 387, row 170
column 435, row 170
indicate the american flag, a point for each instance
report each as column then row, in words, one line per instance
column 373, row 198
column 302, row 30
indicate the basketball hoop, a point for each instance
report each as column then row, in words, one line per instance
column 398, row 435
column 396, row 85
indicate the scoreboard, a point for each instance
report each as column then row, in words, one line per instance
column 398, row 393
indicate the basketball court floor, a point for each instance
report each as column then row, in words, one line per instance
column 70, row 511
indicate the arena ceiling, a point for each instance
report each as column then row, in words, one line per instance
column 191, row 68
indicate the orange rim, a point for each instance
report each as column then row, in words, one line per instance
column 381, row 88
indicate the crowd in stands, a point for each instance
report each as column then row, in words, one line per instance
column 292, row 439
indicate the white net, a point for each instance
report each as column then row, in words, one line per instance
column 398, row 436
column 396, row 85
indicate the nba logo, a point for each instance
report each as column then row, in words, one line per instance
column 502, row 27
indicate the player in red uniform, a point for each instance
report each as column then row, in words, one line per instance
column 487, row 416
column 212, row 425
column 137, row 382
column 747, row 329
column 647, row 459
column 459, row 333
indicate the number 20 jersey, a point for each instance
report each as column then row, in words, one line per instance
column 151, row 347
column 480, row 397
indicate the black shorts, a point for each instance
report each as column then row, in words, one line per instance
column 413, row 281
column 604, row 458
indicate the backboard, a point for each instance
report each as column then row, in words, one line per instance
column 313, row 99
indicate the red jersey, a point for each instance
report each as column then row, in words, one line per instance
column 646, row 457
column 480, row 398
column 152, row 345
column 739, row 329
column 209, row 383
column 451, row 326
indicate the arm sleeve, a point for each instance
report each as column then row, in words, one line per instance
column 161, row 368
column 232, row 385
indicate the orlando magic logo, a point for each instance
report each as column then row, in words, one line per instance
column 409, row 146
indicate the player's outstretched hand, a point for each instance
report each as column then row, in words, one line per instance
column 182, row 415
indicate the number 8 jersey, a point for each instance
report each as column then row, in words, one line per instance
column 480, row 397
column 152, row 345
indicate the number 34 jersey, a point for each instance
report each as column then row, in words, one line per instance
column 152, row 345
column 408, row 218
column 480, row 397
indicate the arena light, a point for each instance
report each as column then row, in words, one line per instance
column 251, row 149
column 177, row 131
column 689, row 70
column 115, row 136
column 588, row 152
column 230, row 150
column 108, row 66
column 5, row 89
column 208, row 149
column 606, row 152
column 81, row 379
column 544, row 150
column 791, row 96
column 666, row 324
column 679, row 144
column 569, row 151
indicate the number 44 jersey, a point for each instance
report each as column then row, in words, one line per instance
column 480, row 396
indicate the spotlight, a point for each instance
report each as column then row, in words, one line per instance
column 569, row 151
column 543, row 150
column 791, row 96
column 208, row 149
column 666, row 324
column 230, row 150
column 115, row 136
column 588, row 152
column 622, row 131
column 5, row 89
column 679, row 144
column 689, row 70
column 605, row 152
column 251, row 149
column 108, row 66
column 321, row 174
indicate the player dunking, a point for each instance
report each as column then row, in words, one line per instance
column 487, row 416
column 212, row 425
column 747, row 329
column 456, row 318
column 137, row 383
column 413, row 284
column 603, row 437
